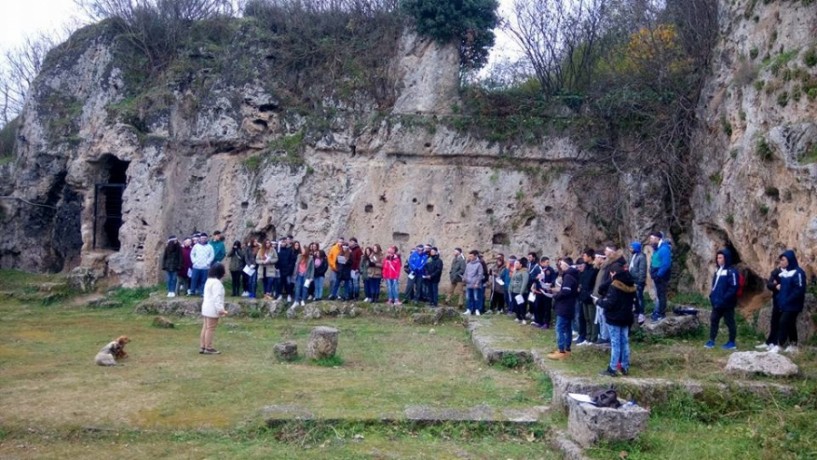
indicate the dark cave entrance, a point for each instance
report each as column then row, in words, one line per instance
column 108, row 203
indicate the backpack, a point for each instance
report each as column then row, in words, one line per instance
column 741, row 284
column 605, row 398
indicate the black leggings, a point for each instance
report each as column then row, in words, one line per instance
column 774, row 327
column 541, row 310
column 498, row 301
column 237, row 285
column 787, row 334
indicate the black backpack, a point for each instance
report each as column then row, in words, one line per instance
column 606, row 398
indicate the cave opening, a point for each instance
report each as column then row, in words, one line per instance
column 108, row 200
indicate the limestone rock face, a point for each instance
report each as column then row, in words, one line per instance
column 673, row 326
column 754, row 362
column 323, row 342
column 757, row 179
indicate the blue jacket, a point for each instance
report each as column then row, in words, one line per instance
column 661, row 262
column 417, row 262
column 792, row 294
column 724, row 294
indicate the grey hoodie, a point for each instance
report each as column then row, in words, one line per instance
column 473, row 274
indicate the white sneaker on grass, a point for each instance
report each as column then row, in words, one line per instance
column 477, row 313
column 774, row 349
column 303, row 303
column 763, row 346
column 791, row 349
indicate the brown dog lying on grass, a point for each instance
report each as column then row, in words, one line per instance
column 108, row 355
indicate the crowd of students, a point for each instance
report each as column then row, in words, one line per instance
column 595, row 299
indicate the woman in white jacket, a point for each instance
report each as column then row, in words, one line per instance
column 212, row 308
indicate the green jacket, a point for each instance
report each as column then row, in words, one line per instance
column 219, row 251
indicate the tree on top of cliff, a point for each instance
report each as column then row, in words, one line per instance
column 468, row 22
column 155, row 27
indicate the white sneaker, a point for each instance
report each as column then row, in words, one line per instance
column 303, row 303
column 477, row 313
column 189, row 292
column 524, row 322
column 791, row 349
column 289, row 298
column 774, row 349
column 367, row 300
column 245, row 294
column 641, row 318
column 309, row 298
column 170, row 294
column 294, row 305
column 516, row 319
column 278, row 298
column 467, row 312
column 763, row 346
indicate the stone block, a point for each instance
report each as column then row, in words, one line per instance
column 673, row 326
column 588, row 424
column 323, row 342
column 755, row 362
column 286, row 351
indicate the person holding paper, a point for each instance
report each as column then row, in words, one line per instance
column 564, row 303
column 455, row 276
column 265, row 260
column 304, row 273
column 519, row 284
column 319, row 261
column 542, row 304
column 431, row 278
column 473, row 283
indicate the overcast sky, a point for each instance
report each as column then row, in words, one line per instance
column 22, row 18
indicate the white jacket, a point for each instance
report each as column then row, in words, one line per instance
column 213, row 303
column 202, row 256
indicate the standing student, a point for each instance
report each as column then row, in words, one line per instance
column 473, row 283
column 266, row 260
column 564, row 304
column 332, row 258
column 519, row 283
column 543, row 304
column 774, row 324
column 212, row 308
column 303, row 274
column 618, row 304
column 321, row 265
column 374, row 273
column 792, row 292
column 186, row 268
column 171, row 262
column 250, row 255
column 391, row 273
column 498, row 273
column 660, row 272
column 455, row 276
column 237, row 263
column 219, row 251
column 724, row 299
column 432, row 276
column 202, row 257
column 638, row 270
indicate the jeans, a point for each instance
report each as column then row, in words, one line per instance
column 619, row 346
column 267, row 283
column 372, row 286
column 728, row 315
column 172, row 277
column 300, row 289
column 563, row 332
column 335, row 285
column 392, row 287
column 198, row 280
column 481, row 298
column 433, row 292
column 318, row 283
column 253, row 284
column 355, row 284
column 473, row 299
column 603, row 332
column 347, row 289
column 639, row 298
column 661, row 286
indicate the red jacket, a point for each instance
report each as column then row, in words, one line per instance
column 186, row 262
column 392, row 267
column 357, row 255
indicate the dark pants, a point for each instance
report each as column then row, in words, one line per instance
column 728, row 315
column 519, row 308
column 236, row 276
column 661, row 287
column 788, row 328
column 498, row 301
column 433, row 292
column 639, row 298
column 541, row 310
column 414, row 288
column 774, row 327
column 582, row 329
column 198, row 280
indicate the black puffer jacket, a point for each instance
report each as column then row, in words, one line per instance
column 434, row 269
column 619, row 300
column 564, row 302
